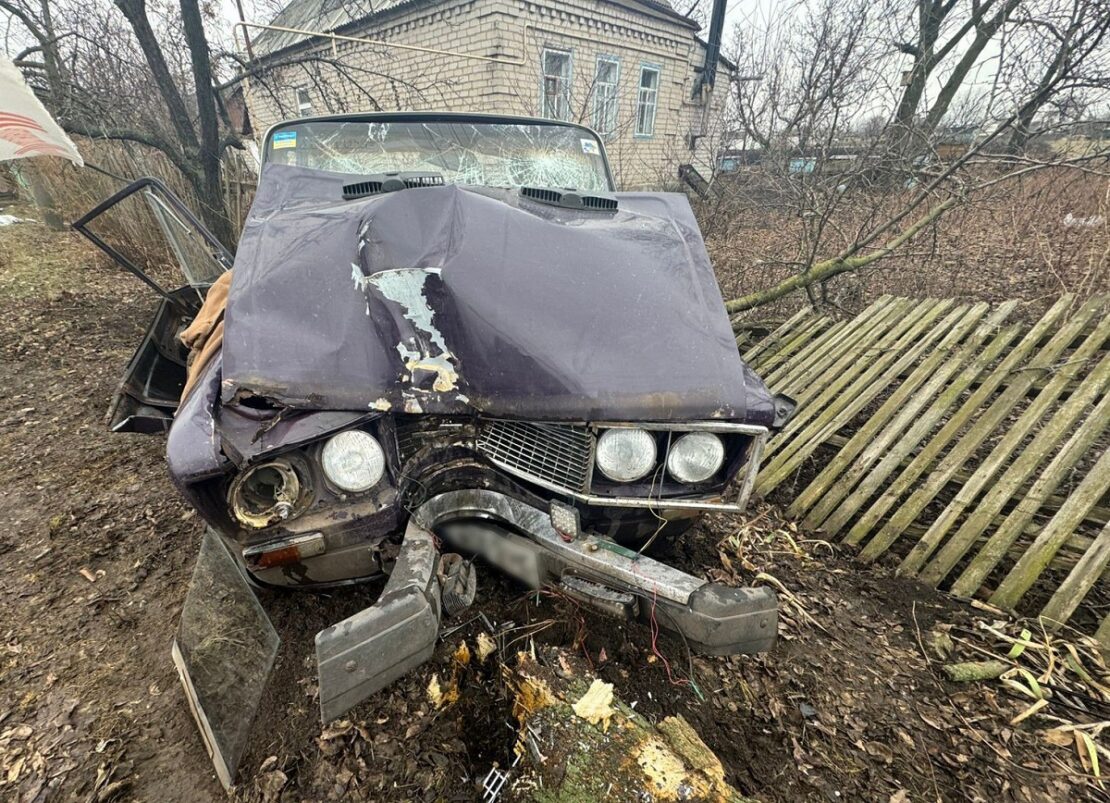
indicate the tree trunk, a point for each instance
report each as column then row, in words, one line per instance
column 201, row 154
column 579, row 743
column 984, row 33
column 929, row 18
column 210, row 189
column 135, row 12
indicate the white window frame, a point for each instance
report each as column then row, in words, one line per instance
column 606, row 111
column 304, row 107
column 647, row 99
column 562, row 92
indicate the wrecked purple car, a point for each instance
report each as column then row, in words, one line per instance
column 445, row 336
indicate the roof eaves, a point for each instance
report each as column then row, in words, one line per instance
column 346, row 27
column 404, row 5
column 720, row 56
column 670, row 12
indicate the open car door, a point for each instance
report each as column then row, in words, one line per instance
column 151, row 234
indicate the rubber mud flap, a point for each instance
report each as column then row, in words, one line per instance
column 722, row 620
column 366, row 652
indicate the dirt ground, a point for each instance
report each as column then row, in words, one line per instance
column 96, row 551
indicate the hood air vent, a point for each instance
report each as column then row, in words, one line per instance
column 390, row 182
column 569, row 199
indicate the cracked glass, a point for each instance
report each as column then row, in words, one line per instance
column 485, row 154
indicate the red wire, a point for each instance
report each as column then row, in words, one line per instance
column 655, row 648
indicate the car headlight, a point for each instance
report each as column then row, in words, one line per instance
column 268, row 493
column 353, row 461
column 695, row 457
column 624, row 455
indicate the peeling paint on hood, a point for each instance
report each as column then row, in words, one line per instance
column 422, row 349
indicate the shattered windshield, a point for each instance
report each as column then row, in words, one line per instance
column 483, row 153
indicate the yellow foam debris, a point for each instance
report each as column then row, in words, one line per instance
column 596, row 705
column 462, row 654
column 486, row 646
column 441, row 697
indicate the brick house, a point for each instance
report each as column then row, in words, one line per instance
column 631, row 69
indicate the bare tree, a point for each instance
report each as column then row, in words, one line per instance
column 849, row 208
column 942, row 35
column 122, row 73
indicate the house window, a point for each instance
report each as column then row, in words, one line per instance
column 304, row 101
column 556, row 85
column 646, row 101
column 605, row 95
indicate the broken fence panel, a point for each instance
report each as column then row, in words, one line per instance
column 970, row 444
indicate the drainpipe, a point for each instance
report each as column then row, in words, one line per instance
column 703, row 85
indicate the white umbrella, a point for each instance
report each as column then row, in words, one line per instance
column 26, row 127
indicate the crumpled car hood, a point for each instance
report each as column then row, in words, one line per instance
column 455, row 300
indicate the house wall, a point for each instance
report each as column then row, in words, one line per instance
column 515, row 31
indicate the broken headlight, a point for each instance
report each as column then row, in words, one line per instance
column 695, row 457
column 270, row 492
column 353, row 461
column 625, row 455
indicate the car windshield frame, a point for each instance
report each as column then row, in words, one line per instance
column 440, row 117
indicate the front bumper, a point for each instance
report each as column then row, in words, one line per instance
column 520, row 540
column 365, row 652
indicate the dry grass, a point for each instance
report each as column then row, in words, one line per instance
column 1033, row 239
column 33, row 266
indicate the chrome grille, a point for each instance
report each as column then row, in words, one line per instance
column 556, row 454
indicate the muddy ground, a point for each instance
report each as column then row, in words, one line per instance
column 96, row 552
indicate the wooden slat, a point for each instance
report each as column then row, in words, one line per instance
column 822, row 384
column 885, row 368
column 799, row 340
column 989, row 555
column 894, row 416
column 842, row 351
column 922, row 426
column 775, row 337
column 782, row 377
column 1073, row 590
column 984, row 425
column 1026, row 571
column 1103, row 637
column 1098, row 516
column 1065, row 558
column 953, row 384
column 988, row 469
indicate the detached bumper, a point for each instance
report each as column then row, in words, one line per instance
column 366, row 652
column 520, row 540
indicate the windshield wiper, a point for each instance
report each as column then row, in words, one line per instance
column 377, row 183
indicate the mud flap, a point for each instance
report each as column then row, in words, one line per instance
column 366, row 652
column 224, row 652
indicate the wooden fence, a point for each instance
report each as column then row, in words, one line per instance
column 972, row 450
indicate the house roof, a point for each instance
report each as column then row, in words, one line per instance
column 333, row 16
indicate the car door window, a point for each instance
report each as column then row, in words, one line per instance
column 149, row 232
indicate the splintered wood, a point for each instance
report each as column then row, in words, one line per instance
column 973, row 449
